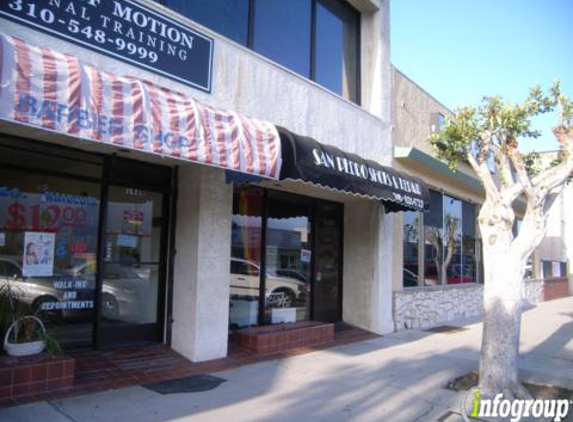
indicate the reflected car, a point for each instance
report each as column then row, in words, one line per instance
column 125, row 290
column 297, row 275
column 44, row 295
column 281, row 291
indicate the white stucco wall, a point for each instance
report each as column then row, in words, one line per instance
column 367, row 269
column 201, row 273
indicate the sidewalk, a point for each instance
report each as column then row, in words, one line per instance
column 398, row 377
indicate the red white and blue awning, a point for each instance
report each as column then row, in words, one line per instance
column 55, row 91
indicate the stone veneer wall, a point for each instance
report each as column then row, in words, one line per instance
column 533, row 291
column 432, row 306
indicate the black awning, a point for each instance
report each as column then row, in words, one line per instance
column 310, row 161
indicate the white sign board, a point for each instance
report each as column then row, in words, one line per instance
column 38, row 254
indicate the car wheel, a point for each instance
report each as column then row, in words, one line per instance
column 109, row 306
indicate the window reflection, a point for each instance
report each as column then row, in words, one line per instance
column 288, row 257
column 282, row 33
column 336, row 48
column 299, row 232
column 245, row 258
column 227, row 17
column 469, row 244
column 433, row 241
column 48, row 229
column 452, row 268
column 132, row 255
column 449, row 242
column 323, row 46
column 411, row 236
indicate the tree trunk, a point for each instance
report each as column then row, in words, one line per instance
column 503, row 285
column 501, row 327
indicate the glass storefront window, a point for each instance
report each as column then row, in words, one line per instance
column 288, row 259
column 48, row 245
column 245, row 258
column 452, row 229
column 450, row 243
column 469, row 261
column 411, row 236
column 278, row 240
column 433, row 241
column 50, row 251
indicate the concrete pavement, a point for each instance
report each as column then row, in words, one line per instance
column 398, row 377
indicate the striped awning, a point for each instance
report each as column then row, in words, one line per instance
column 44, row 88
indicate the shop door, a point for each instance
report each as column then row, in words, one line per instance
column 133, row 274
column 327, row 294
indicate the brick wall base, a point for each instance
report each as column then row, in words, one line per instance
column 29, row 375
column 555, row 289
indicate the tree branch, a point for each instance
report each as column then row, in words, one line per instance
column 483, row 173
column 519, row 165
column 548, row 180
column 504, row 167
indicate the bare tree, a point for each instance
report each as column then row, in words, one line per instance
column 475, row 135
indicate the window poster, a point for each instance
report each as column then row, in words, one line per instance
column 38, row 259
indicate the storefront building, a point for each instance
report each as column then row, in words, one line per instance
column 438, row 273
column 141, row 204
column 552, row 261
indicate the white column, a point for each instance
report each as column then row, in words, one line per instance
column 201, row 275
column 367, row 278
column 383, row 315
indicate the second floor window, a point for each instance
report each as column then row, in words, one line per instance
column 318, row 39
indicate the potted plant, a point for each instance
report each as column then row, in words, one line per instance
column 25, row 333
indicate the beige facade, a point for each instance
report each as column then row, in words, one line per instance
column 415, row 116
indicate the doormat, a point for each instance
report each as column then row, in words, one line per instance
column 193, row 384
